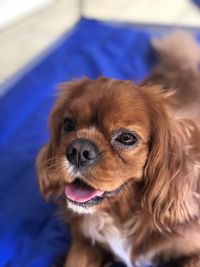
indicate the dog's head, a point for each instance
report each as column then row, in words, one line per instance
column 106, row 136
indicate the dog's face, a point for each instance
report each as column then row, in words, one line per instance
column 100, row 136
column 106, row 136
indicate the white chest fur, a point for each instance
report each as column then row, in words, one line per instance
column 100, row 227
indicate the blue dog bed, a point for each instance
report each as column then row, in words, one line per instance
column 30, row 233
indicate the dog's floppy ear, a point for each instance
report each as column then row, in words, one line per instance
column 170, row 174
column 48, row 181
column 47, row 177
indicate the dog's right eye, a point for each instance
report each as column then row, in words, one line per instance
column 68, row 125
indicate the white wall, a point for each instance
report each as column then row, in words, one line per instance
column 13, row 10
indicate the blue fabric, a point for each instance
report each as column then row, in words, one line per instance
column 30, row 233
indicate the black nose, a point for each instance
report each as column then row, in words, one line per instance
column 82, row 152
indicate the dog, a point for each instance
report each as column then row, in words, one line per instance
column 123, row 163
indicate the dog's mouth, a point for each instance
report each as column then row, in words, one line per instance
column 82, row 194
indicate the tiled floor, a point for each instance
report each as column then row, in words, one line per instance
column 25, row 40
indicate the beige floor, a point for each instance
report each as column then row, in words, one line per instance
column 24, row 41
column 165, row 12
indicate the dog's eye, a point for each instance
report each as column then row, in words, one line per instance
column 68, row 125
column 127, row 139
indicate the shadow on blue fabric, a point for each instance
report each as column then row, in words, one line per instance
column 30, row 233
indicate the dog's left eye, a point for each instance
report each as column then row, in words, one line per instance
column 127, row 139
column 68, row 125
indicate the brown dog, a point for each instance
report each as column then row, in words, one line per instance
column 123, row 161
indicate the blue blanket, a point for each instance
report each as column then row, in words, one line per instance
column 30, row 233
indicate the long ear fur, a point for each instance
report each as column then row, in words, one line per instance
column 48, row 181
column 171, row 172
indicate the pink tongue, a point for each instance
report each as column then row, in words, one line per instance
column 81, row 194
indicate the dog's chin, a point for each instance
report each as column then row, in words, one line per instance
column 82, row 197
